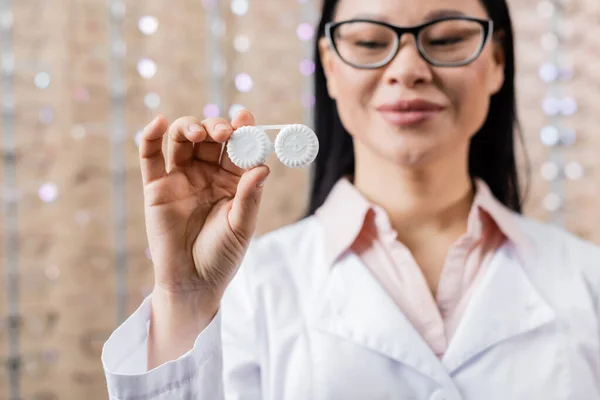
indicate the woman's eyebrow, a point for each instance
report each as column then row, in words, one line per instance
column 435, row 14
column 444, row 12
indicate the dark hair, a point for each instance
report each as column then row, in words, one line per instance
column 492, row 150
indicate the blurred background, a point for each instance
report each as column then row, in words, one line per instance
column 80, row 79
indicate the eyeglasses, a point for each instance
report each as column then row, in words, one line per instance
column 446, row 42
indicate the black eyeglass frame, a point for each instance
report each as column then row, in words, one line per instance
column 486, row 24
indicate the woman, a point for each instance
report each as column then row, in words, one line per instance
column 413, row 275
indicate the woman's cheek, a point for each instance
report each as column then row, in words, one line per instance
column 470, row 102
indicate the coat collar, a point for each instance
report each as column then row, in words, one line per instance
column 351, row 304
column 506, row 304
column 345, row 211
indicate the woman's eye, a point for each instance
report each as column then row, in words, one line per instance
column 371, row 44
column 445, row 41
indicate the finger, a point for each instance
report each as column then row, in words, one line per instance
column 246, row 203
column 242, row 118
column 152, row 161
column 218, row 129
column 183, row 133
column 218, row 132
column 209, row 152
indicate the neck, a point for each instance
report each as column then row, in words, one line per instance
column 420, row 201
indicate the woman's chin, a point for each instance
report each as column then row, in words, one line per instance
column 403, row 147
column 408, row 155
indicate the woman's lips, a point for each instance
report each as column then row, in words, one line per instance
column 408, row 118
column 409, row 112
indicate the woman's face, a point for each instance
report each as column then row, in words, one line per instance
column 369, row 101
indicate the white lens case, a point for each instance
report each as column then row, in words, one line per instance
column 296, row 145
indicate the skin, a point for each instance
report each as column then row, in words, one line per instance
column 431, row 197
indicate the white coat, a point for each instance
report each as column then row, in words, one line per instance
column 292, row 328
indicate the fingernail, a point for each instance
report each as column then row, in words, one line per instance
column 222, row 127
column 153, row 122
column 261, row 183
column 195, row 128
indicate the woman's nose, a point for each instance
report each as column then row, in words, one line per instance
column 408, row 67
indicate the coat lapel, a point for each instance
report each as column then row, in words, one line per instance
column 504, row 305
column 353, row 306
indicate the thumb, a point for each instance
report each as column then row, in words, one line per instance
column 244, row 211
